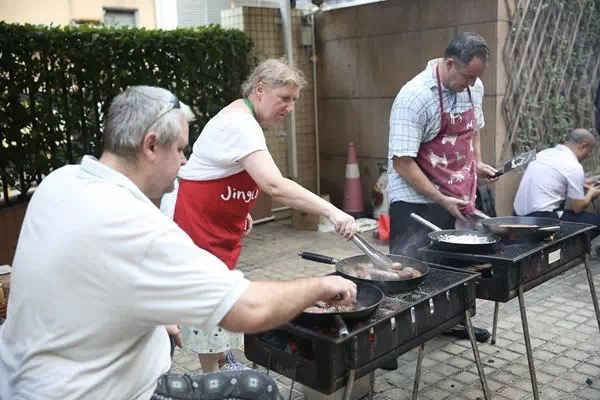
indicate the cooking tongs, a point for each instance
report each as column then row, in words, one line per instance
column 378, row 259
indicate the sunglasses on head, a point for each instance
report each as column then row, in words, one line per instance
column 171, row 105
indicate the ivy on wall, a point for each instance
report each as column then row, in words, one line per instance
column 56, row 84
column 552, row 59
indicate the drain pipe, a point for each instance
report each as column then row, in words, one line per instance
column 286, row 18
column 313, row 58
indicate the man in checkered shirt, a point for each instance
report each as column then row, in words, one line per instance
column 434, row 144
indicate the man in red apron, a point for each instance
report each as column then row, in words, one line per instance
column 434, row 145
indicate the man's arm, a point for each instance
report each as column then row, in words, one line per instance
column 407, row 168
column 265, row 305
column 579, row 205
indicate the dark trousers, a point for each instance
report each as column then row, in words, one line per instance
column 406, row 234
column 583, row 217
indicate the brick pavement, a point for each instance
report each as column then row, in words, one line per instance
column 562, row 324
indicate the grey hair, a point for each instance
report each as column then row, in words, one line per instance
column 271, row 73
column 466, row 46
column 133, row 113
column 581, row 135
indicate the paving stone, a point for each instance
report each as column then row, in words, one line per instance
column 588, row 369
column 589, row 393
column 451, row 385
column 514, row 393
column 466, row 377
column 552, row 369
column 460, row 362
column 564, row 385
column 435, row 394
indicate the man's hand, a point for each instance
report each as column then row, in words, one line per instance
column 248, row 226
column 485, row 172
column 452, row 204
column 173, row 330
column 338, row 290
column 345, row 224
column 594, row 191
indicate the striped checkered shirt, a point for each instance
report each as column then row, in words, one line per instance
column 415, row 118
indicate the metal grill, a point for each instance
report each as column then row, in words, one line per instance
column 514, row 263
column 316, row 357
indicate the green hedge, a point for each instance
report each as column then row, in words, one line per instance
column 56, row 84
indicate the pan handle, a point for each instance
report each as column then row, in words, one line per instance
column 423, row 221
column 307, row 255
column 341, row 326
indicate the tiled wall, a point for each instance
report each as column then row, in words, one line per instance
column 263, row 26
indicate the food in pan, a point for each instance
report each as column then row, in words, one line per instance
column 464, row 239
column 396, row 273
column 321, row 307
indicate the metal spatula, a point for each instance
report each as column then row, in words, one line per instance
column 378, row 259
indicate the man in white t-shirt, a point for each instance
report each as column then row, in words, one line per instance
column 99, row 272
column 557, row 176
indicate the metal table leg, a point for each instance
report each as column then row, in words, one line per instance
column 534, row 386
column 349, row 385
column 418, row 372
column 371, row 384
column 495, row 326
column 590, row 278
column 484, row 385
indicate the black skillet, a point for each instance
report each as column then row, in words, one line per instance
column 522, row 228
column 442, row 238
column 345, row 267
column 368, row 298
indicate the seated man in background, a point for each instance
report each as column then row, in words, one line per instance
column 99, row 272
column 554, row 177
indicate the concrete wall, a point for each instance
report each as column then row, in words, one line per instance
column 367, row 53
column 64, row 12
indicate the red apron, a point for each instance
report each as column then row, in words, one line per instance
column 448, row 160
column 213, row 213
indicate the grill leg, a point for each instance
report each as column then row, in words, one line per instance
column 418, row 372
column 484, row 385
column 371, row 384
column 349, row 384
column 495, row 326
column 534, row 386
column 590, row 278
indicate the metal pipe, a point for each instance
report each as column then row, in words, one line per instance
column 349, row 384
column 480, row 370
column 286, row 19
column 534, row 386
column 315, row 102
column 415, row 393
column 590, row 278
column 495, row 326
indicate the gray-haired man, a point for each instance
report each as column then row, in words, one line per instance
column 99, row 271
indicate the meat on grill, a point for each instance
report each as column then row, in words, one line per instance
column 368, row 271
column 321, row 307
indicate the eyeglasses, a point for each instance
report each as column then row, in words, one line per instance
column 171, row 105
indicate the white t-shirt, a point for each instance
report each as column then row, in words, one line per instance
column 554, row 176
column 97, row 273
column 226, row 138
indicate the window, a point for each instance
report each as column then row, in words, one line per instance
column 120, row 17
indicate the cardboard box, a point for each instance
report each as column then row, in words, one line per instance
column 304, row 221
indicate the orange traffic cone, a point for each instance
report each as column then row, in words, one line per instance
column 353, row 195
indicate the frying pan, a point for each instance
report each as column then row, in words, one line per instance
column 442, row 238
column 346, row 266
column 368, row 298
column 516, row 228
